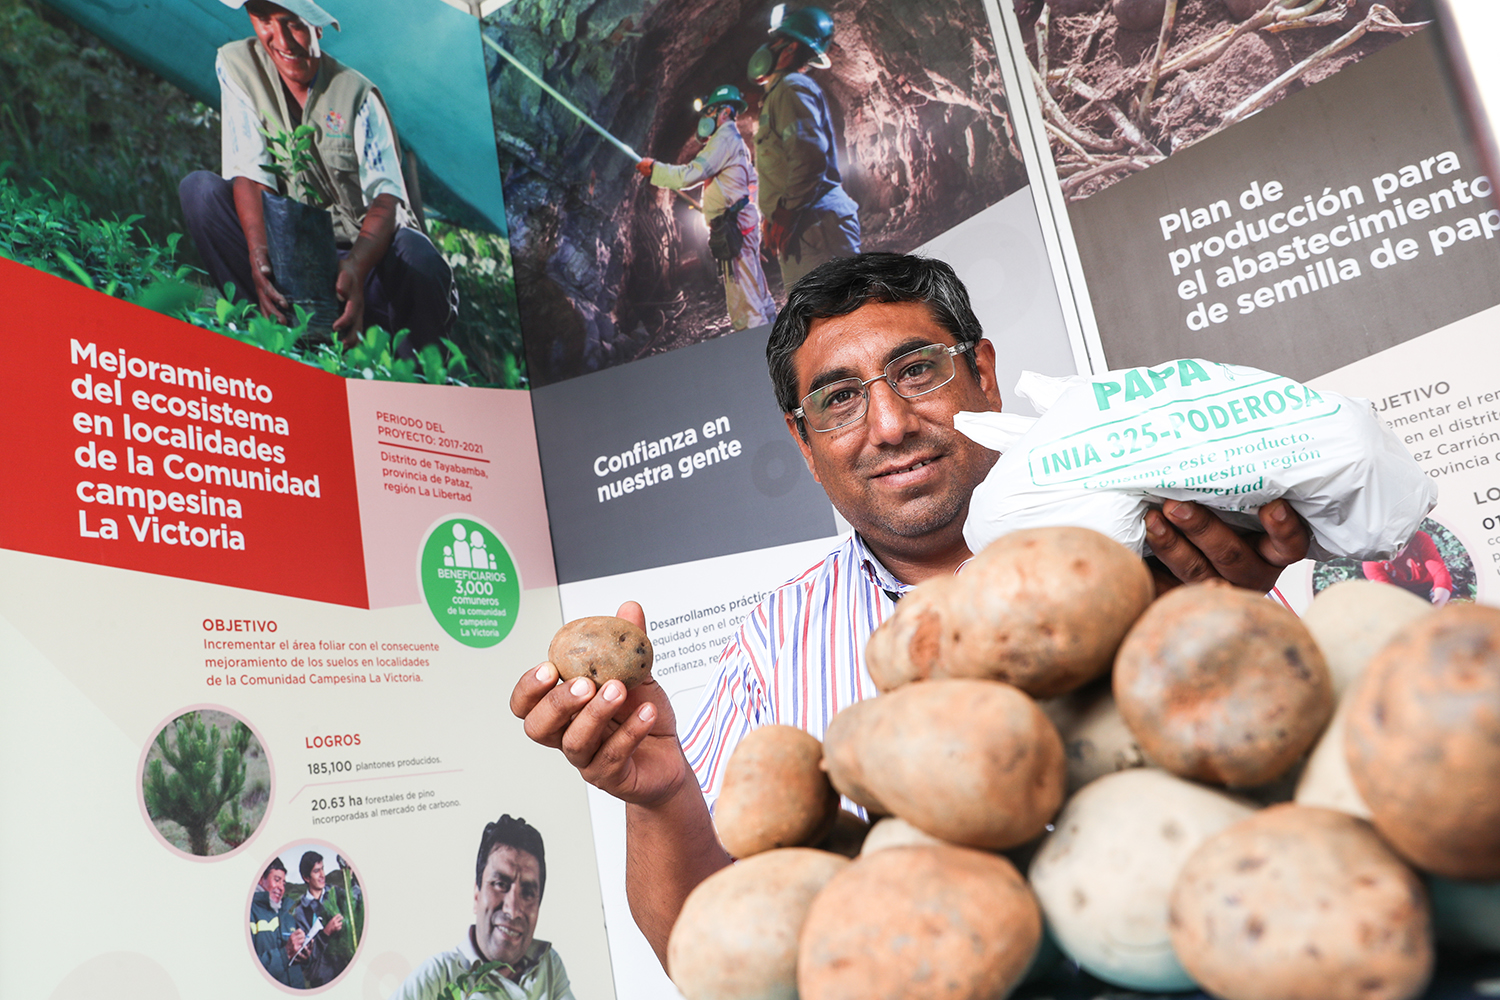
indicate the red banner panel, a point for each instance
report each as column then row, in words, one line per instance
column 139, row 441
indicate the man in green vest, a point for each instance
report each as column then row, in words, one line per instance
column 389, row 271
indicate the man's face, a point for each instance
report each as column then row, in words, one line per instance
column 291, row 41
column 316, row 879
column 275, row 886
column 902, row 475
column 506, row 902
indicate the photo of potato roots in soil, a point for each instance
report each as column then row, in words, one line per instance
column 1126, row 83
column 96, row 144
column 611, row 267
column 206, row 783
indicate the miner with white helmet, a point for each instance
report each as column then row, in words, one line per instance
column 724, row 169
column 278, row 79
column 809, row 217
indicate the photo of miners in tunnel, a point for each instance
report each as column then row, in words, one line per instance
column 671, row 166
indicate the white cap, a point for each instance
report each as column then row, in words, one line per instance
column 305, row 9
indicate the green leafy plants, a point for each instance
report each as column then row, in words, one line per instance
column 292, row 161
column 488, row 328
column 233, row 829
column 349, row 907
column 75, row 112
column 471, row 982
column 208, row 774
column 55, row 232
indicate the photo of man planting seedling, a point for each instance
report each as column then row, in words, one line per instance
column 259, row 185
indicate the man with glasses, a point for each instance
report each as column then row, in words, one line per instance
column 865, row 361
column 320, row 919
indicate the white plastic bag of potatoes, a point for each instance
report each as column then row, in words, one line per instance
column 1229, row 437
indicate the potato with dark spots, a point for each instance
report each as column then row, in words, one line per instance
column 908, row 645
column 1302, row 903
column 919, row 923
column 1423, row 741
column 1222, row 685
column 1350, row 621
column 1105, row 873
column 1043, row 609
column 971, row 762
column 1095, row 737
column 775, row 794
column 602, row 648
column 736, row 937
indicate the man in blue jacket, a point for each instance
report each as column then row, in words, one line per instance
column 271, row 932
column 809, row 217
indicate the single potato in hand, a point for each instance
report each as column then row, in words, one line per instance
column 601, row 648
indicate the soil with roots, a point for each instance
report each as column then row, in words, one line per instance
column 1085, row 42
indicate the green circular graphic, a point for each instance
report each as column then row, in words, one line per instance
column 470, row 582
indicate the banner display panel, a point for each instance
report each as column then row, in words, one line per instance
column 1305, row 197
column 244, row 670
column 264, row 592
column 1341, row 221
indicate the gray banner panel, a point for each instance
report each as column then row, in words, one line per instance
column 677, row 457
column 1422, row 253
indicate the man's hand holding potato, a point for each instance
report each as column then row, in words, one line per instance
column 624, row 742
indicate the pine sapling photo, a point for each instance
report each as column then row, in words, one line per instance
column 196, row 780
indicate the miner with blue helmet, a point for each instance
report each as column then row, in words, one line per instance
column 724, row 169
column 809, row 217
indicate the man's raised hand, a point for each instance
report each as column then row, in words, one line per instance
column 622, row 741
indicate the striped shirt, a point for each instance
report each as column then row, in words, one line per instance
column 797, row 659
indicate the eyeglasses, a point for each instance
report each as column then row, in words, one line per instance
column 915, row 373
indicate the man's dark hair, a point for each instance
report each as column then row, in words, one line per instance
column 305, row 866
column 274, row 866
column 842, row 285
column 511, row 831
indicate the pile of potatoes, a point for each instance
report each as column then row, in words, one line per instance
column 1163, row 790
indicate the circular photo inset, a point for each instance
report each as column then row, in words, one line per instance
column 307, row 916
column 1433, row 564
column 205, row 783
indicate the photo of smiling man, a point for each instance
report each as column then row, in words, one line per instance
column 500, row 955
